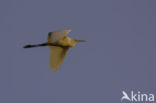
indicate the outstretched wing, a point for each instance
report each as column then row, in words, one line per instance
column 57, row 55
column 57, row 35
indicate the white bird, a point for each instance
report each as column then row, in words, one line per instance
column 59, row 44
column 125, row 96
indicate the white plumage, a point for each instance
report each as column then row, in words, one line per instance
column 59, row 44
column 58, row 35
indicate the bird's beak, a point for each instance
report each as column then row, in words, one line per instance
column 80, row 40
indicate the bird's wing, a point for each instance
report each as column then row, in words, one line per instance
column 57, row 35
column 57, row 55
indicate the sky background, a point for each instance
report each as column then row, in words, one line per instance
column 120, row 52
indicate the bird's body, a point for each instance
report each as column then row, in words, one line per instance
column 66, row 41
column 59, row 44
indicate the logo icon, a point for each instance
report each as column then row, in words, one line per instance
column 137, row 97
column 125, row 96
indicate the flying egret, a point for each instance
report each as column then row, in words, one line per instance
column 59, row 44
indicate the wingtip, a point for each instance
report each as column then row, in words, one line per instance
column 53, row 69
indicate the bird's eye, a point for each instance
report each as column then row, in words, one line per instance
column 64, row 37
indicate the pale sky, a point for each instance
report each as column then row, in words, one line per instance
column 119, row 54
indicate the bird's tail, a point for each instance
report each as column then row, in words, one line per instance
column 79, row 40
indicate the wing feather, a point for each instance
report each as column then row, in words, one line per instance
column 57, row 55
column 57, row 35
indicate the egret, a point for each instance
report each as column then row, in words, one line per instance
column 59, row 43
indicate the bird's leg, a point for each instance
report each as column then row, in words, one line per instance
column 37, row 45
column 45, row 44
